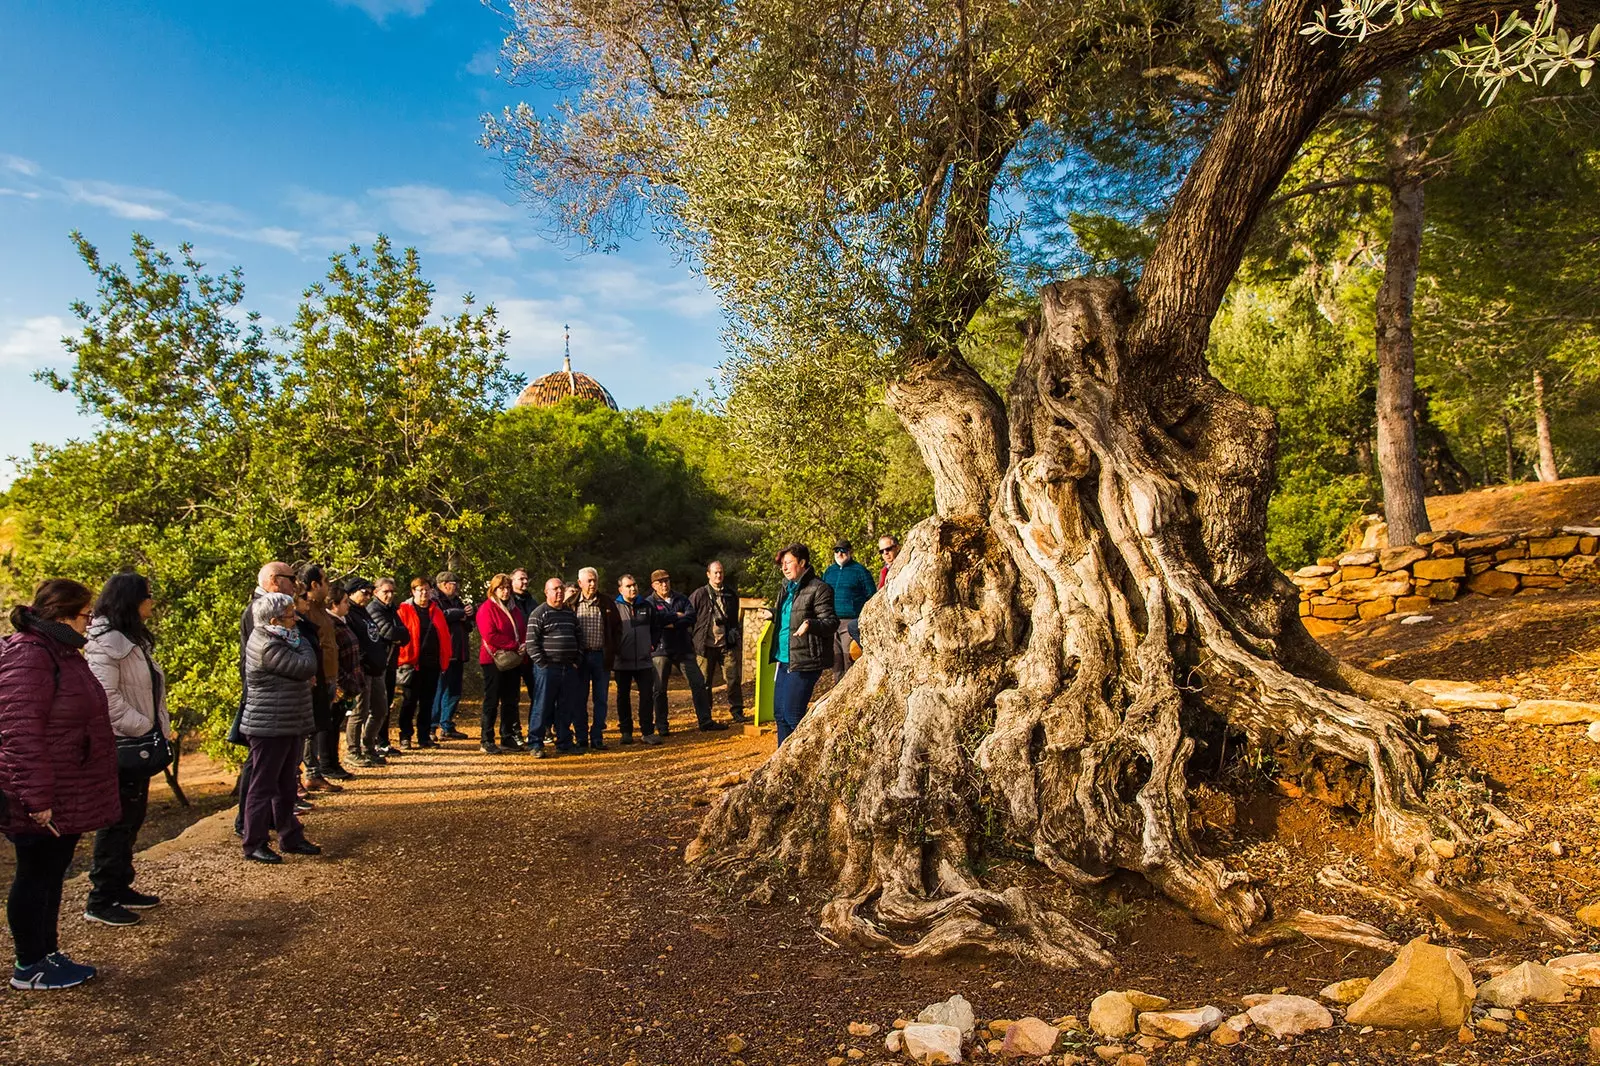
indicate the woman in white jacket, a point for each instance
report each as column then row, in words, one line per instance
column 121, row 652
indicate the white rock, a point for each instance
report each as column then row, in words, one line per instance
column 954, row 1011
column 1282, row 1016
column 1415, row 619
column 1180, row 1024
column 1530, row 982
column 1437, row 686
column 1474, row 701
column 1580, row 970
column 1435, row 719
column 1553, row 712
column 895, row 1042
column 1594, row 732
column 931, row 1043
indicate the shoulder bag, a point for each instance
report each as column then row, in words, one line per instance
column 507, row 658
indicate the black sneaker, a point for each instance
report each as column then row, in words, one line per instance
column 739, row 718
column 366, row 762
column 453, row 734
column 490, row 749
column 597, row 746
column 264, row 854
column 339, row 773
column 304, row 847
column 111, row 914
column 138, row 901
column 627, row 738
column 651, row 738
column 713, row 727
column 389, row 751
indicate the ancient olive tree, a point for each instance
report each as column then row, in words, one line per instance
column 1091, row 600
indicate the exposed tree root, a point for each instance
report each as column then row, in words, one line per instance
column 1036, row 678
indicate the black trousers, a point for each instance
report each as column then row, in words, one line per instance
column 33, row 909
column 502, row 691
column 645, row 681
column 112, row 872
column 416, row 705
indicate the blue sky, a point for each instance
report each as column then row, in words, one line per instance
column 271, row 135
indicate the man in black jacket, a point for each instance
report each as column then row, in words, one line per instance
column 803, row 644
column 457, row 618
column 673, row 618
column 385, row 616
column 553, row 648
column 523, row 597
column 718, row 639
column 363, row 727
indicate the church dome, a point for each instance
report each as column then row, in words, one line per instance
column 551, row 389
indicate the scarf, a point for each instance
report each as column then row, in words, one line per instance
column 290, row 637
column 59, row 632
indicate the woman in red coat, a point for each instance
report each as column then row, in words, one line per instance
column 502, row 627
column 58, row 771
column 423, row 658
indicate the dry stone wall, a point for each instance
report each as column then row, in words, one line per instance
column 1408, row 580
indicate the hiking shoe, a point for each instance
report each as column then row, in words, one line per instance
column 489, row 748
column 627, row 738
column 317, row 783
column 405, row 743
column 302, row 847
column 339, row 773
column 304, row 807
column 597, row 746
column 713, row 727
column 538, row 752
column 264, row 854
column 111, row 914
column 651, row 738
column 50, row 973
column 453, row 734
column 389, row 751
column 137, row 901
column 739, row 718
column 366, row 762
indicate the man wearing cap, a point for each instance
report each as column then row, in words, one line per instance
column 457, row 612
column 362, row 728
column 672, row 617
column 852, row 586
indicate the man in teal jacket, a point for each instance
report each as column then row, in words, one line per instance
column 852, row 586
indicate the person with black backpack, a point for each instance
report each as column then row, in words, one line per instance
column 121, row 652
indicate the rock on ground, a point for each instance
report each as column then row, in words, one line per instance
column 1530, row 982
column 954, row 1011
column 1580, row 970
column 1426, row 987
column 1346, row 991
column 1282, row 1016
column 932, row 1043
column 1553, row 712
column 1029, row 1038
column 1111, row 1014
column 1180, row 1024
column 1590, row 915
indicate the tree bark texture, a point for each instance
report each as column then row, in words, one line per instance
column 1399, row 466
column 1541, row 418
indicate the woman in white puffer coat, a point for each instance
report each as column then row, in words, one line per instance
column 121, row 652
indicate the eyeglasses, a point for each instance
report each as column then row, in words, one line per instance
column 86, row 614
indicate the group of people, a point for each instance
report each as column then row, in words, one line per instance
column 84, row 724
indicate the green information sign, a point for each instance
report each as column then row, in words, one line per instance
column 766, row 675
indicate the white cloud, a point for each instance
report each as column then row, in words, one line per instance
column 380, row 10
column 469, row 224
column 33, row 341
column 19, row 165
column 614, row 281
column 485, row 62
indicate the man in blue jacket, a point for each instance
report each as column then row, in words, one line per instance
column 852, row 586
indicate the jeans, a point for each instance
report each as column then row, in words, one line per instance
column 644, row 681
column 391, row 686
column 274, row 780
column 593, row 677
column 731, row 663
column 448, row 697
column 112, row 873
column 849, row 630
column 502, row 691
column 33, row 909
column 416, row 703
column 533, row 698
column 555, row 695
column 697, row 689
column 791, row 694
column 364, row 728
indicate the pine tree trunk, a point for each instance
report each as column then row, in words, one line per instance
column 1541, row 417
column 1511, row 447
column 1399, row 466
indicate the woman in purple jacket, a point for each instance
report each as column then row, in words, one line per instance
column 58, row 771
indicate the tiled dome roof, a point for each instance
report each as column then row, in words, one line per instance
column 551, row 389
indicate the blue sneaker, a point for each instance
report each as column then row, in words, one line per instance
column 50, row 973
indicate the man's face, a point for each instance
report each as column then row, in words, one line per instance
column 519, row 582
column 587, row 584
column 362, row 598
column 447, row 587
column 282, row 580
column 840, row 557
column 888, row 549
column 629, row 589
column 714, row 575
column 553, row 591
column 384, row 594
column 663, row 587
column 792, row 568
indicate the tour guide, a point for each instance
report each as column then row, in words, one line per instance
column 804, row 639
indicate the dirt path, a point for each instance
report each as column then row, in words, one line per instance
column 473, row 909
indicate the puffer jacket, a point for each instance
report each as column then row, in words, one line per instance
column 278, row 701
column 386, row 628
column 813, row 602
column 633, row 646
column 57, row 752
column 136, row 686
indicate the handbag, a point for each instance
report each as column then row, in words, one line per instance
column 148, row 754
column 507, row 658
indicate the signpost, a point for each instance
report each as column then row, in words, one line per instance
column 766, row 675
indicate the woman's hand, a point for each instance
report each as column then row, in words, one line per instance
column 41, row 817
column 804, row 627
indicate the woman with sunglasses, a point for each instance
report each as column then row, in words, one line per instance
column 58, row 771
